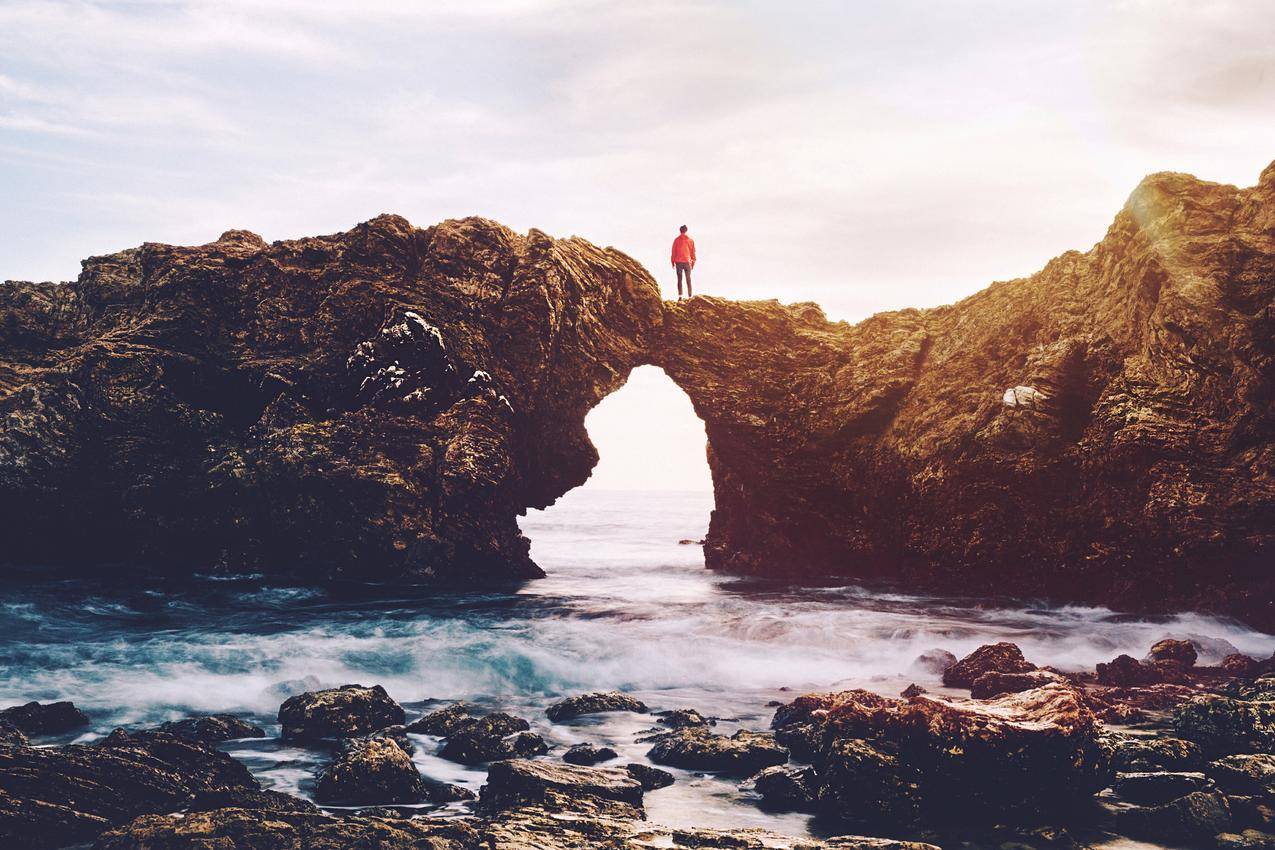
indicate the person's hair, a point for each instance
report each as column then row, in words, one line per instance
column 682, row 229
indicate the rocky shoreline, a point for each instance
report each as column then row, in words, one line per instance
column 1160, row 749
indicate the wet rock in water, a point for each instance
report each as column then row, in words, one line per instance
column 1179, row 651
column 650, row 778
column 696, row 748
column 787, row 788
column 52, row 718
column 345, row 712
column 57, row 796
column 1243, row 666
column 588, row 754
column 1249, row 839
column 12, row 735
column 243, row 829
column 444, row 722
column 248, row 798
column 683, row 718
column 1133, row 704
column 1189, row 820
column 446, row 792
column 990, row 658
column 936, row 661
column 371, row 769
column 1127, row 671
column 912, row 690
column 1144, row 754
column 863, row 786
column 495, row 736
column 1225, row 726
column 1157, row 788
column 995, row 683
column 520, row 782
column 1248, row 773
column 213, row 728
column 594, row 703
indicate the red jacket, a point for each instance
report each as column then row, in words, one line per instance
column 683, row 250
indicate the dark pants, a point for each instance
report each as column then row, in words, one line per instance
column 684, row 269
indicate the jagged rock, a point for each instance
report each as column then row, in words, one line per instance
column 864, row 786
column 495, row 736
column 1132, row 704
column 936, row 661
column 681, row 718
column 248, row 798
column 10, row 734
column 1223, row 725
column 344, row 712
column 1157, row 788
column 444, row 722
column 1249, row 773
column 57, row 796
column 1141, row 755
column 595, row 703
column 1187, row 821
column 912, row 690
column 649, row 777
column 1181, row 651
column 990, row 658
column 245, row 829
column 696, row 748
column 371, row 769
column 520, row 781
column 995, row 683
column 212, row 729
column 45, row 719
column 787, row 788
column 588, row 754
column 1238, row 664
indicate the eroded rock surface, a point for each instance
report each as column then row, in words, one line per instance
column 344, row 712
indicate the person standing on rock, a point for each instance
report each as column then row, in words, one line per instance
column 683, row 260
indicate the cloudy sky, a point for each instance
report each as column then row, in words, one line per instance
column 864, row 155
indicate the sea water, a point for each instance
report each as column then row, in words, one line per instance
column 626, row 606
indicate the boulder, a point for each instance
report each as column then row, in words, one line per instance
column 912, row 690
column 12, row 735
column 201, row 766
column 864, row 786
column 373, row 769
column 995, row 683
column 696, row 748
column 650, row 778
column 588, row 754
column 1179, row 651
column 1142, row 754
column 594, row 703
column 934, row 661
column 212, row 729
column 787, row 788
column 1127, row 671
column 345, row 712
column 248, row 798
column 1243, row 666
column 1225, row 725
column 519, row 782
column 444, row 722
column 1157, row 788
column 495, row 736
column 1251, row 774
column 1189, row 821
column 51, row 718
column 989, row 658
column 683, row 717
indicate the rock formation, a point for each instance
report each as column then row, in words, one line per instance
column 386, row 401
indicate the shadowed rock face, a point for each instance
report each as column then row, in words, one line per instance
column 1100, row 431
column 385, row 402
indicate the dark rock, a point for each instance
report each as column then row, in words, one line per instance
column 1224, row 726
column 212, row 729
column 495, row 736
column 863, row 786
column 444, row 722
column 588, row 754
column 201, row 766
column 1154, row 789
column 1180, row 651
column 649, row 777
column 594, row 703
column 12, row 735
column 1188, row 821
column 246, row 829
column 787, row 788
column 912, row 690
column 995, row 683
column 520, row 781
column 696, row 748
column 990, row 658
column 248, row 798
column 1249, row 774
column 445, row 792
column 1249, row 839
column 1127, row 671
column 1141, row 755
column 1241, row 665
column 45, row 719
column 936, row 661
column 682, row 718
column 345, row 712
column 1135, row 703
column 371, row 769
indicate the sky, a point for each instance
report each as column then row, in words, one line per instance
column 868, row 156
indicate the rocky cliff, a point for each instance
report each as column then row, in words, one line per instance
column 385, row 402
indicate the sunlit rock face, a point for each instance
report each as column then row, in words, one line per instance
column 381, row 402
column 1100, row 431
